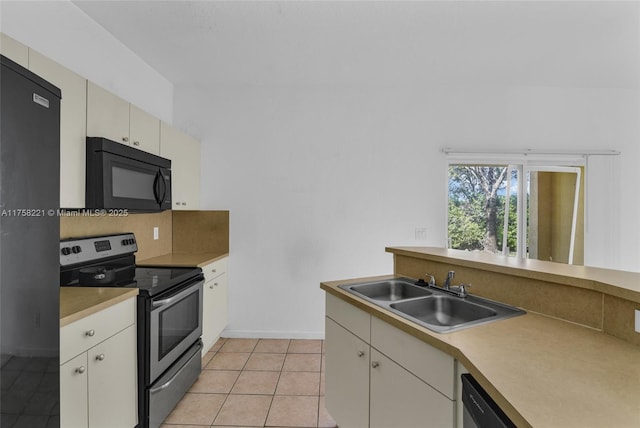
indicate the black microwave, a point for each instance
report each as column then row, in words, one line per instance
column 121, row 177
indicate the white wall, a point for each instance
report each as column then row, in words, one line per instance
column 61, row 31
column 319, row 179
column 322, row 127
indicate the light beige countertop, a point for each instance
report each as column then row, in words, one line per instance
column 542, row 372
column 182, row 259
column 79, row 302
column 623, row 284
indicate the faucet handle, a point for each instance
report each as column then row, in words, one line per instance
column 432, row 279
column 461, row 289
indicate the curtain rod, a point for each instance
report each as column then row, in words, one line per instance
column 469, row 151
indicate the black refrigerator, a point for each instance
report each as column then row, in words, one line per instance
column 29, row 245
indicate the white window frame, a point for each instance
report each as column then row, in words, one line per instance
column 524, row 163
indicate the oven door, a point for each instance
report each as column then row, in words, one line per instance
column 175, row 324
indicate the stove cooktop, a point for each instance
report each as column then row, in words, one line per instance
column 112, row 259
column 153, row 280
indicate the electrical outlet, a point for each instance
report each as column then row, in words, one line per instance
column 637, row 320
column 156, row 233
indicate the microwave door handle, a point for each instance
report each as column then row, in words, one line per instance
column 155, row 187
column 164, row 187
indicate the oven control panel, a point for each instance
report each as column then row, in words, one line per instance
column 84, row 250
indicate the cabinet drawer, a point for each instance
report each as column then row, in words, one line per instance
column 215, row 269
column 426, row 362
column 87, row 332
column 353, row 319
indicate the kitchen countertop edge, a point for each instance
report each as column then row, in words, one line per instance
column 79, row 302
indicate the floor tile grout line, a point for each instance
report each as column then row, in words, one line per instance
column 244, row 369
column 274, row 394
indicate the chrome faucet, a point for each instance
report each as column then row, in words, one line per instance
column 447, row 282
column 456, row 290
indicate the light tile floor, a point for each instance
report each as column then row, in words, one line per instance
column 257, row 383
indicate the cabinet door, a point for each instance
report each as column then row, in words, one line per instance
column 400, row 399
column 14, row 50
column 112, row 381
column 74, row 405
column 144, row 130
column 184, row 152
column 73, row 127
column 107, row 115
column 208, row 308
column 220, row 306
column 428, row 363
column 346, row 377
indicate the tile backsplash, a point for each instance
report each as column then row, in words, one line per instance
column 591, row 308
column 140, row 224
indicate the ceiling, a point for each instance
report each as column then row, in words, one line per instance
column 538, row 43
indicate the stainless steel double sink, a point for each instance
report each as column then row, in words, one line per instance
column 431, row 307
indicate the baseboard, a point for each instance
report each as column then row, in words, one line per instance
column 259, row 334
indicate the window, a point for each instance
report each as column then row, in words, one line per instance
column 518, row 206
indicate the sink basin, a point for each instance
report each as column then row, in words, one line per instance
column 391, row 290
column 431, row 307
column 444, row 311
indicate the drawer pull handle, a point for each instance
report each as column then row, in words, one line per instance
column 90, row 333
column 81, row 370
column 125, row 139
column 360, row 354
column 213, row 270
column 100, row 357
column 215, row 284
column 375, row 364
column 136, row 143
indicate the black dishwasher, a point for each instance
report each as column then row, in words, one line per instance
column 480, row 411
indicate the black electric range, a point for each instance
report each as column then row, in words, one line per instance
column 169, row 315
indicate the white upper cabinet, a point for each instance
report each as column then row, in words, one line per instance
column 73, row 122
column 107, row 115
column 144, row 130
column 184, row 152
column 111, row 117
column 14, row 50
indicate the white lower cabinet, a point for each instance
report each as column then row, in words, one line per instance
column 214, row 304
column 98, row 385
column 392, row 380
column 74, row 399
column 346, row 376
column 400, row 399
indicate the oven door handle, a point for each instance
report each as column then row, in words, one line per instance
column 164, row 302
column 167, row 301
column 161, row 387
